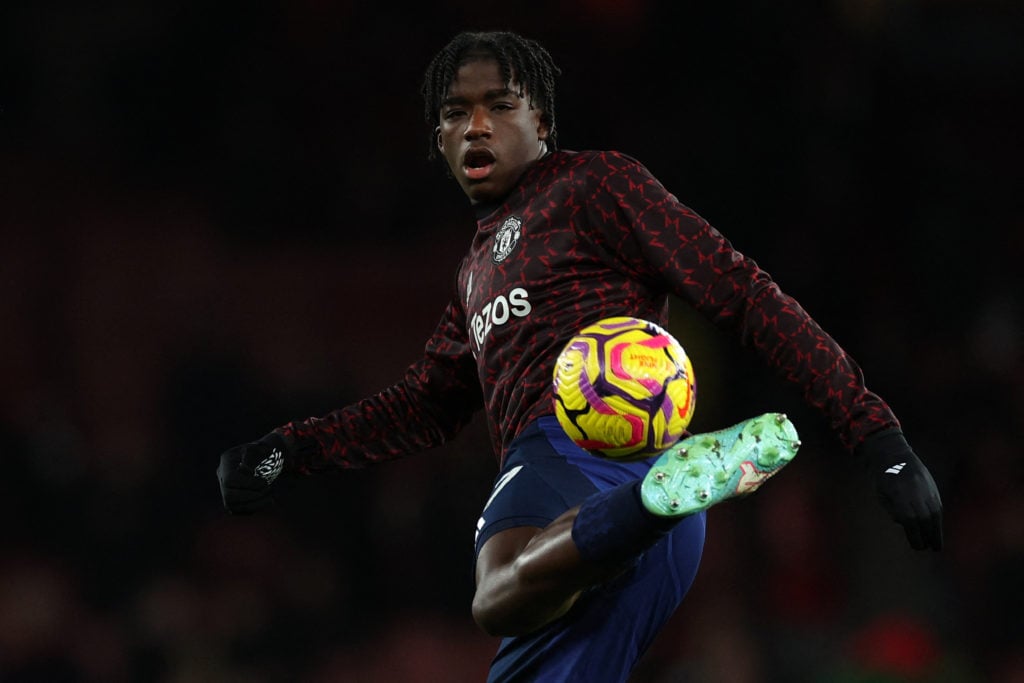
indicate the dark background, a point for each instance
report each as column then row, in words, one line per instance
column 219, row 216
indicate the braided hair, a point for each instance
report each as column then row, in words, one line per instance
column 522, row 59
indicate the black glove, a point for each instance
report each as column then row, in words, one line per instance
column 247, row 472
column 906, row 488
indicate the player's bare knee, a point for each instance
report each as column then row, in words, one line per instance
column 501, row 611
column 517, row 609
column 485, row 616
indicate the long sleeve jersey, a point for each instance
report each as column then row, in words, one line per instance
column 583, row 236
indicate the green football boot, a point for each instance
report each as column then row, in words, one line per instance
column 705, row 469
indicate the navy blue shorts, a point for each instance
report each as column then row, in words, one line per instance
column 603, row 636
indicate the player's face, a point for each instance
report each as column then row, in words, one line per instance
column 488, row 133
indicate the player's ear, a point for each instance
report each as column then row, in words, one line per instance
column 440, row 140
column 543, row 127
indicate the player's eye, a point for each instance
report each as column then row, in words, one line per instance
column 453, row 114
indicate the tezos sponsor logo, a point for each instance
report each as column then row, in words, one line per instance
column 499, row 311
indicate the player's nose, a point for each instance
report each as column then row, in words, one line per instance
column 479, row 123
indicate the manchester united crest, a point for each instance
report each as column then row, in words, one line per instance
column 506, row 239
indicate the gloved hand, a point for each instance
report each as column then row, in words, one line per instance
column 247, row 472
column 906, row 488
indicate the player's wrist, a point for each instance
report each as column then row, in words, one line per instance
column 299, row 450
column 883, row 449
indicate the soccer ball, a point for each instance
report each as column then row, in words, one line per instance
column 624, row 389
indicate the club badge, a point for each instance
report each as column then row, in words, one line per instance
column 506, row 239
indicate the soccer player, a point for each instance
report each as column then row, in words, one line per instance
column 578, row 564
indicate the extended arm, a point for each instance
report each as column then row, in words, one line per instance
column 666, row 242
column 435, row 399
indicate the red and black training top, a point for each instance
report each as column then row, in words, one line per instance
column 583, row 236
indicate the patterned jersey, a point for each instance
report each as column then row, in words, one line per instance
column 583, row 236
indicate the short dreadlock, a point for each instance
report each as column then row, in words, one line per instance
column 525, row 60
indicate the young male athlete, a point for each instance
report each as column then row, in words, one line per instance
column 580, row 561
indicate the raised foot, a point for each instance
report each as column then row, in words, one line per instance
column 705, row 469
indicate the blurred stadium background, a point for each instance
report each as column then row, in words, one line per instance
column 217, row 217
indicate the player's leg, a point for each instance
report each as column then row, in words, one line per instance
column 613, row 624
column 700, row 471
column 528, row 569
column 528, row 575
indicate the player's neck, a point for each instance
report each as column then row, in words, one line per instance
column 484, row 209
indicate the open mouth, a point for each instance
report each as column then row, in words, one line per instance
column 478, row 163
